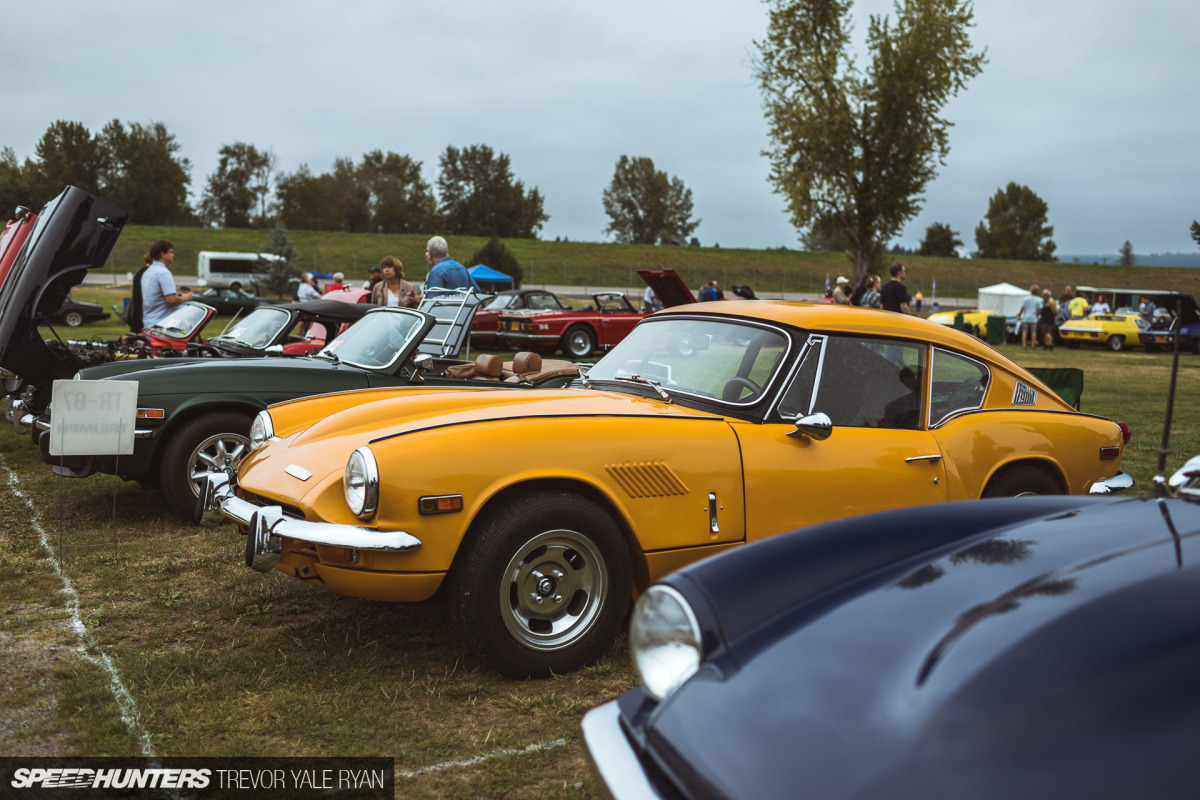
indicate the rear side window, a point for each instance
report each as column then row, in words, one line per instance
column 959, row 384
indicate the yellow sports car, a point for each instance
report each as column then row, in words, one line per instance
column 978, row 319
column 538, row 515
column 1114, row 331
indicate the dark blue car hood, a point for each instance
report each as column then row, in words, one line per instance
column 1057, row 656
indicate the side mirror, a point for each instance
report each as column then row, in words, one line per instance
column 816, row 426
column 424, row 362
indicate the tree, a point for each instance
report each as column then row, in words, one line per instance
column 646, row 206
column 237, row 186
column 1196, row 232
column 12, row 184
column 825, row 235
column 495, row 255
column 308, row 202
column 67, row 155
column 480, row 197
column 1015, row 227
column 940, row 241
column 860, row 148
column 401, row 201
column 1127, row 259
column 141, row 173
column 281, row 273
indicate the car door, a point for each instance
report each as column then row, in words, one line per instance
column 616, row 320
column 879, row 455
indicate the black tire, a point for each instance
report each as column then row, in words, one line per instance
column 1115, row 342
column 578, row 342
column 1021, row 482
column 214, row 442
column 543, row 585
column 72, row 319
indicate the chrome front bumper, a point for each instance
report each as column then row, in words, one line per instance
column 615, row 765
column 1117, row 483
column 268, row 527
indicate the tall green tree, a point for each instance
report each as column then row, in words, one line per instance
column 238, row 188
column 940, row 240
column 495, row 255
column 1016, row 226
column 307, row 202
column 859, row 148
column 481, row 197
column 647, row 206
column 1196, row 232
column 1127, row 258
column 280, row 273
column 12, row 185
column 67, row 154
column 401, row 200
column 142, row 173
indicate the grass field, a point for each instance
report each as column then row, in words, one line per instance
column 606, row 265
column 166, row 643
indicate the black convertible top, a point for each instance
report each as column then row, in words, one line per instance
column 333, row 310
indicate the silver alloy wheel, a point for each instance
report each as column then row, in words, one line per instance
column 221, row 452
column 553, row 589
column 580, row 342
column 73, row 319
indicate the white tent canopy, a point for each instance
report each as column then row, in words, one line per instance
column 1002, row 298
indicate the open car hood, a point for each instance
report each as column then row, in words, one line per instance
column 669, row 287
column 73, row 233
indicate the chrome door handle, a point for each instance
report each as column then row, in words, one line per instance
column 934, row 457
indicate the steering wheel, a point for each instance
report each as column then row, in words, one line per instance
column 732, row 392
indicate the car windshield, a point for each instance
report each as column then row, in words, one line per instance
column 182, row 322
column 260, row 328
column 729, row 361
column 376, row 340
column 499, row 302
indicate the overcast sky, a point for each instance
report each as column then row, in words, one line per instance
column 1090, row 103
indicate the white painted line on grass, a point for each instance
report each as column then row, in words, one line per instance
column 126, row 705
column 470, row 762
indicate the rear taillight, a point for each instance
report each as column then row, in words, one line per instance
column 1124, row 431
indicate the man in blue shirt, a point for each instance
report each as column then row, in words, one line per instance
column 444, row 271
column 158, row 286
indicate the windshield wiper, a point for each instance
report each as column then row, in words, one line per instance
column 331, row 356
column 648, row 382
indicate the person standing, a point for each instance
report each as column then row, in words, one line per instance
column 919, row 299
column 893, row 296
column 839, row 292
column 1078, row 306
column 374, row 276
column 864, row 286
column 444, row 271
column 307, row 290
column 393, row 290
column 1146, row 308
column 1101, row 306
column 1031, row 307
column 1046, row 320
column 650, row 301
column 871, row 297
column 338, row 283
column 159, row 294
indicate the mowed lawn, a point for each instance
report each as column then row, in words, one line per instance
column 155, row 637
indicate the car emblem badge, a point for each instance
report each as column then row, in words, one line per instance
column 297, row 472
column 1024, row 395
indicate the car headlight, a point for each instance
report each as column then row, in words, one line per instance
column 665, row 639
column 261, row 429
column 360, row 482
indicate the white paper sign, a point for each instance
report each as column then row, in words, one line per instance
column 92, row 418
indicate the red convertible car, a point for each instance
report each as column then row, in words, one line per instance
column 606, row 322
column 487, row 318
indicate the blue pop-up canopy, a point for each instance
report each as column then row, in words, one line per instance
column 490, row 280
column 481, row 272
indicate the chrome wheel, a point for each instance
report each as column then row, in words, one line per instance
column 73, row 319
column 220, row 453
column 579, row 342
column 553, row 589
